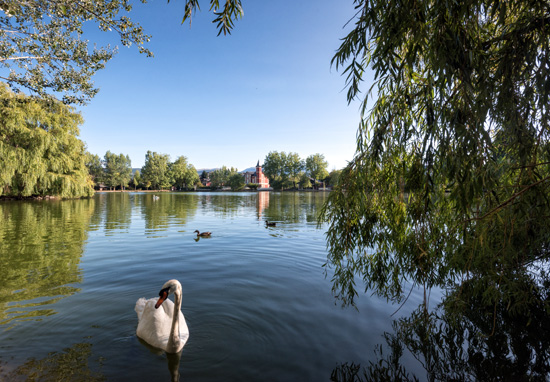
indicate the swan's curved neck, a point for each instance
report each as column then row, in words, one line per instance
column 174, row 339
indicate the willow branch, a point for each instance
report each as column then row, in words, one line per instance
column 511, row 199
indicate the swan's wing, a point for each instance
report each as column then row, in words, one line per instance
column 142, row 304
column 140, row 307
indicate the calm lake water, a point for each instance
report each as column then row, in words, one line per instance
column 255, row 298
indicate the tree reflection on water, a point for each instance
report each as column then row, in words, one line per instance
column 42, row 243
column 487, row 343
column 73, row 364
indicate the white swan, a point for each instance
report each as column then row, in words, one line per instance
column 163, row 328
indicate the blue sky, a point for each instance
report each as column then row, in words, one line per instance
column 227, row 100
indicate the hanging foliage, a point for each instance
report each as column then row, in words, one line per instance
column 450, row 184
column 40, row 152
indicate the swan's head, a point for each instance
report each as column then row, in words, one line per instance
column 196, row 231
column 171, row 286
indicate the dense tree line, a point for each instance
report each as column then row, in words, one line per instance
column 283, row 171
column 112, row 171
column 289, row 170
column 115, row 171
column 159, row 173
column 226, row 176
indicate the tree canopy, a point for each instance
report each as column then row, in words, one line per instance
column 136, row 180
column 449, row 186
column 95, row 167
column 40, row 153
column 333, row 177
column 282, row 169
column 118, row 170
column 155, row 171
column 286, row 169
column 316, row 166
column 182, row 173
column 42, row 49
column 236, row 182
column 221, row 176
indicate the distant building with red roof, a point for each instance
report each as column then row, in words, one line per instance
column 257, row 177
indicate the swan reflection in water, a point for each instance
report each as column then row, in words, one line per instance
column 165, row 328
column 173, row 360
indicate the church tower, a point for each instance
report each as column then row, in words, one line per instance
column 261, row 179
column 256, row 177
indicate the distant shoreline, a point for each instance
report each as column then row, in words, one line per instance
column 49, row 197
column 209, row 190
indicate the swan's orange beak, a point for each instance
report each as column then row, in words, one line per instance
column 163, row 296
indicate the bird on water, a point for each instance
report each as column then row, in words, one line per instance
column 163, row 328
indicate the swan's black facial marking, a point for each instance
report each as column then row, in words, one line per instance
column 163, row 295
column 165, row 290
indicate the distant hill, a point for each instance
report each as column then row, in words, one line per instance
column 200, row 170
